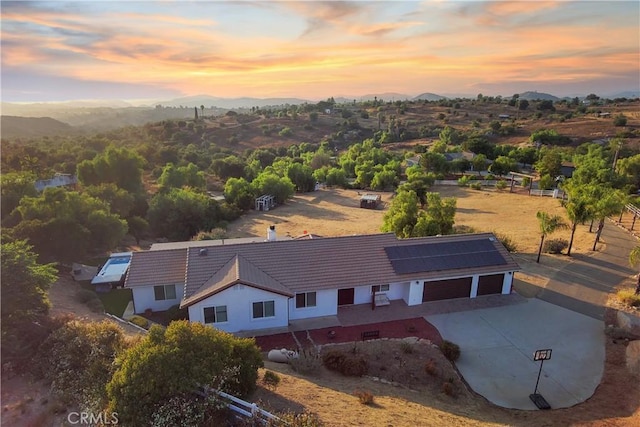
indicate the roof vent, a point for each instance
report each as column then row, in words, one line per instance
column 203, row 252
column 493, row 239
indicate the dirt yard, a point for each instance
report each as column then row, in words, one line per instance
column 337, row 212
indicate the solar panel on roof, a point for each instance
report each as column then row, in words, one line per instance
column 427, row 257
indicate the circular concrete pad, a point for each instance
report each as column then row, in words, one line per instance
column 497, row 346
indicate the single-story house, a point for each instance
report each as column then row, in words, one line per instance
column 252, row 286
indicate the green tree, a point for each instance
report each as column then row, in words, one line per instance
column 550, row 163
column 402, row 215
column 384, row 180
column 503, row 165
column 548, row 224
column 25, row 284
column 63, row 224
column 434, row 162
column 270, row 183
column 479, row 163
column 138, row 227
column 438, row 217
column 634, row 260
column 180, row 213
column 13, row 187
column 228, row 167
column 238, row 191
column 119, row 166
column 182, row 176
column 302, row 177
column 176, row 360
column 620, row 120
column 523, row 104
column 121, row 202
column 578, row 210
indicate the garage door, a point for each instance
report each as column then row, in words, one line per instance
column 492, row 284
column 447, row 289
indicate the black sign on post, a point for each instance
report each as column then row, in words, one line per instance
column 540, row 402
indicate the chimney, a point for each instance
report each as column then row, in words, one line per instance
column 271, row 233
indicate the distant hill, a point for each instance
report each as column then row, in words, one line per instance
column 539, row 96
column 429, row 97
column 386, row 96
column 629, row 94
column 230, row 103
column 30, row 127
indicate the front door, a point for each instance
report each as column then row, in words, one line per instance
column 345, row 296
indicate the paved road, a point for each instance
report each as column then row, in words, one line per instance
column 584, row 284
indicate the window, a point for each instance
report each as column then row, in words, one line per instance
column 215, row 314
column 165, row 292
column 379, row 288
column 307, row 299
column 263, row 309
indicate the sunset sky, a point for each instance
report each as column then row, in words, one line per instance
column 54, row 51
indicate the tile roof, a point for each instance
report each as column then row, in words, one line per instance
column 299, row 265
column 237, row 270
column 157, row 268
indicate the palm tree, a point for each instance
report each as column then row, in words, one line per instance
column 548, row 224
column 634, row 259
column 578, row 211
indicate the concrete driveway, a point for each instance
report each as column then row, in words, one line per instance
column 497, row 346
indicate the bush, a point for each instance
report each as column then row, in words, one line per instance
column 449, row 388
column 176, row 313
column 431, row 367
column 464, row 181
column 308, row 362
column 450, row 350
column 620, row 120
column 176, row 360
column 96, row 305
column 78, row 360
column 476, row 186
column 365, row 397
column 507, row 242
column 555, row 246
column 85, row 295
column 271, row 380
column 406, row 347
column 628, row 297
column 501, row 185
column 139, row 321
column 350, row 365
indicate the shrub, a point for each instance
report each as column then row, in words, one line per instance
column 476, row 186
column 350, row 365
column 464, row 181
column 507, row 242
column 501, row 185
column 450, row 350
column 308, row 361
column 176, row 313
column 620, row 120
column 365, row 397
column 96, row 305
column 285, row 132
column 431, row 367
column 406, row 347
column 449, row 388
column 555, row 246
column 627, row 297
column 271, row 380
column 139, row 321
column 190, row 354
column 85, row 295
column 190, row 410
column 78, row 360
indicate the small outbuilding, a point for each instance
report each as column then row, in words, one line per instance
column 265, row 202
column 370, row 201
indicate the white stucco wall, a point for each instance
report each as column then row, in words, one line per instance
column 413, row 292
column 239, row 300
column 326, row 305
column 144, row 298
